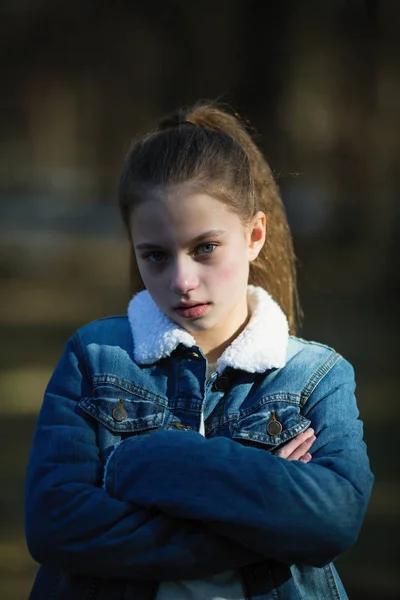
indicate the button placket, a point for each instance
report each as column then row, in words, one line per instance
column 221, row 383
column 189, row 389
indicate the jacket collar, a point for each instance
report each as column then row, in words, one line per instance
column 262, row 344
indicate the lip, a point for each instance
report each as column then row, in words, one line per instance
column 188, row 304
column 191, row 310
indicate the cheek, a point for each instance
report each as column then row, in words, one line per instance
column 227, row 273
column 232, row 271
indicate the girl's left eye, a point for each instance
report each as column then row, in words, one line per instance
column 205, row 249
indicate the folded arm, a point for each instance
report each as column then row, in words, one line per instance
column 73, row 523
column 285, row 510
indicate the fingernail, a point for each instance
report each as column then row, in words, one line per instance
column 306, row 458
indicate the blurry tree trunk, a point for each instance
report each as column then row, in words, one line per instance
column 366, row 202
column 342, row 114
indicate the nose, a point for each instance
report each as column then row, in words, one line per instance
column 183, row 277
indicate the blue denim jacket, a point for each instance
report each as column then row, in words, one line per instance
column 123, row 492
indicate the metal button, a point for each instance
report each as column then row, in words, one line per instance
column 120, row 413
column 221, row 384
column 180, row 426
column 274, row 427
column 194, row 355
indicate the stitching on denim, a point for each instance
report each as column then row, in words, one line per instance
column 330, row 577
column 288, row 398
column 279, row 440
column 92, row 401
column 186, row 404
column 97, row 380
column 230, row 417
column 328, row 581
column 310, row 342
column 317, row 376
column 135, row 425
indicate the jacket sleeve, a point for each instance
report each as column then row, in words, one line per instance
column 285, row 510
column 71, row 521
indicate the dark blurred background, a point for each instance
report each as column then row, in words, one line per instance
column 319, row 80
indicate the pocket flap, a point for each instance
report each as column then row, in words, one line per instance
column 271, row 422
column 124, row 414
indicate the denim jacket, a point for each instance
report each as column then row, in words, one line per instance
column 123, row 492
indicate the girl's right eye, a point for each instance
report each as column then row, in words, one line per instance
column 156, row 256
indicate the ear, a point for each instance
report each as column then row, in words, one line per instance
column 256, row 233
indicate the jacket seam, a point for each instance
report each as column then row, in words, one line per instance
column 78, row 345
column 98, row 380
column 287, row 397
column 317, row 376
column 311, row 343
column 331, row 581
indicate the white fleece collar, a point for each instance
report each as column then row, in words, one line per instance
column 262, row 344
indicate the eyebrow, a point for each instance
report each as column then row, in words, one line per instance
column 213, row 233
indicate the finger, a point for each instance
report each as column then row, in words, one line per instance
column 306, row 458
column 291, row 446
column 302, row 449
column 295, row 443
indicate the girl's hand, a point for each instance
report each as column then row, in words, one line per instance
column 297, row 449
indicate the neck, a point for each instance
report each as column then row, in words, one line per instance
column 215, row 341
column 213, row 351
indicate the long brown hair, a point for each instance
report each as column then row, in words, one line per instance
column 209, row 150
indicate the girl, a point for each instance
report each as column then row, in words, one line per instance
column 171, row 456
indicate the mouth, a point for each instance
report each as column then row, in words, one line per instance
column 191, row 310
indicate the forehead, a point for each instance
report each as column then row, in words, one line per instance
column 180, row 217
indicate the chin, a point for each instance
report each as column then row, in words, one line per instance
column 196, row 327
column 199, row 325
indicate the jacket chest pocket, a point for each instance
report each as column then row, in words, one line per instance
column 270, row 422
column 119, row 414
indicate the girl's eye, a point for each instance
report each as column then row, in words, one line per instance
column 205, row 249
column 155, row 256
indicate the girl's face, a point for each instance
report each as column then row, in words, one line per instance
column 193, row 254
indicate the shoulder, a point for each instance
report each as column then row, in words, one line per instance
column 313, row 353
column 297, row 345
column 316, row 364
column 108, row 331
